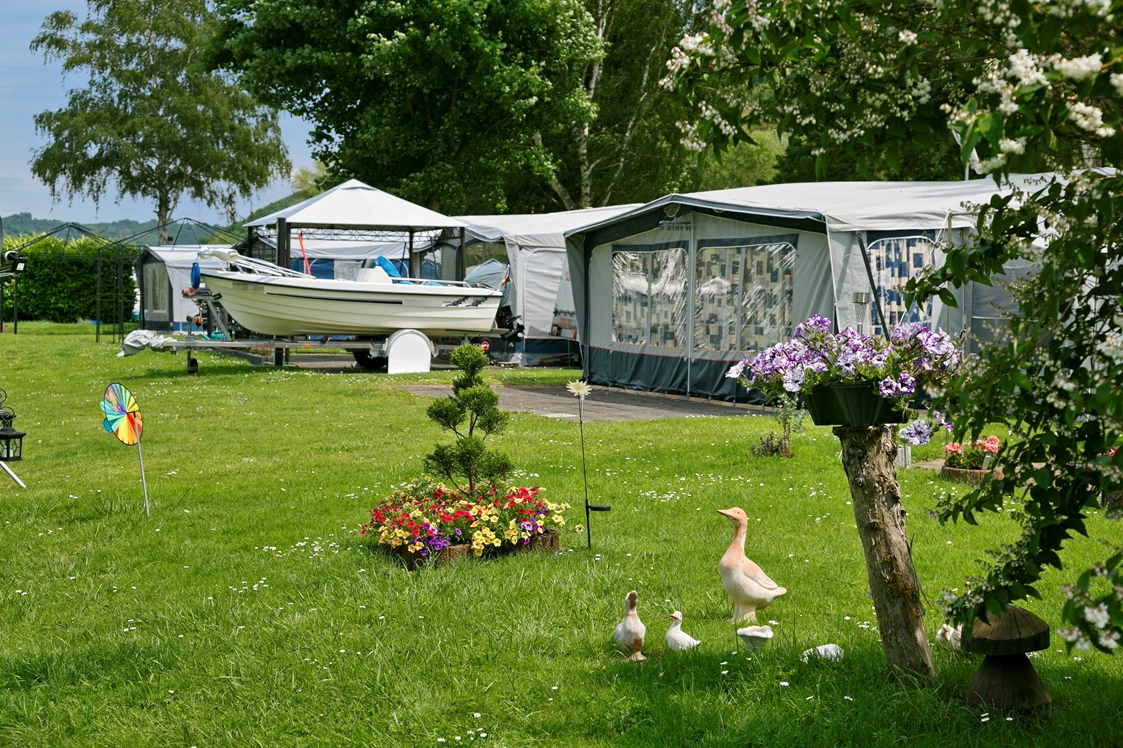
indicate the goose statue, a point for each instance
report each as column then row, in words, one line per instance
column 749, row 587
column 630, row 631
column 677, row 639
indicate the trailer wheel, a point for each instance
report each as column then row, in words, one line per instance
column 192, row 366
column 369, row 361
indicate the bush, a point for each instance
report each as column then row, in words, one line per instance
column 60, row 281
column 471, row 414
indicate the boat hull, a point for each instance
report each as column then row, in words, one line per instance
column 287, row 306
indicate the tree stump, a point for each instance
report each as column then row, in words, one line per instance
column 867, row 457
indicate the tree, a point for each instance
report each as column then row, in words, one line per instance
column 472, row 402
column 1025, row 87
column 438, row 101
column 309, row 181
column 150, row 119
column 626, row 152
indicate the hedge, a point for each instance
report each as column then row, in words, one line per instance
column 60, row 281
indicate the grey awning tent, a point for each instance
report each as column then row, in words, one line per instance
column 534, row 248
column 669, row 294
column 162, row 275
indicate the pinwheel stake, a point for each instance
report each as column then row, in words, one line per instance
column 122, row 419
column 580, row 389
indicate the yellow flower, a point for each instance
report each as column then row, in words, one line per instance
column 579, row 528
column 559, row 520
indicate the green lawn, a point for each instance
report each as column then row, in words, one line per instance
column 247, row 610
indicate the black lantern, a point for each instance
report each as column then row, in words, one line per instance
column 11, row 441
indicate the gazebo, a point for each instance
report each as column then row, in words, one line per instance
column 357, row 212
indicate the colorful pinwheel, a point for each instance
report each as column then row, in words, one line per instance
column 122, row 419
column 122, row 414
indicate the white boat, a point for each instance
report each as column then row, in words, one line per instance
column 271, row 300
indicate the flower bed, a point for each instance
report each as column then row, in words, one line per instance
column 969, row 463
column 424, row 520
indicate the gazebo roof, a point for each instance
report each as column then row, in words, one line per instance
column 357, row 206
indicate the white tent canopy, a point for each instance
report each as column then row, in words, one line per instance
column 535, row 246
column 354, row 205
column 841, row 249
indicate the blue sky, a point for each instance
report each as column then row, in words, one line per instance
column 28, row 87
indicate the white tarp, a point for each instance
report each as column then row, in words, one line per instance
column 354, row 205
column 344, row 249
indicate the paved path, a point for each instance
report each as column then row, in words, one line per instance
column 602, row 404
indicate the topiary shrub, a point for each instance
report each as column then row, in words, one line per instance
column 472, row 414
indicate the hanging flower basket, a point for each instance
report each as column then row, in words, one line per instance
column 862, row 405
column 851, row 379
column 823, row 407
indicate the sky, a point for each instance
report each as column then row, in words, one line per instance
column 28, row 86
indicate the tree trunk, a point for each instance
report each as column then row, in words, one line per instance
column 867, row 457
column 163, row 218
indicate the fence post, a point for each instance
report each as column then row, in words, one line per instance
column 97, row 302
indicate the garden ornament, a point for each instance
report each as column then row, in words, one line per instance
column 122, row 419
column 629, row 632
column 677, row 639
column 827, row 652
column 949, row 637
column 1006, row 678
column 748, row 586
column 755, row 637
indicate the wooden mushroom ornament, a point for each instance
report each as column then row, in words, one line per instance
column 1006, row 678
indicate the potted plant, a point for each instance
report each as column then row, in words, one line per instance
column 851, row 379
column 970, row 462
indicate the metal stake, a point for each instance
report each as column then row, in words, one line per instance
column 143, row 483
column 15, row 477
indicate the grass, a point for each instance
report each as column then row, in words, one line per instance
column 247, row 611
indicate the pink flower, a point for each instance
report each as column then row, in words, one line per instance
column 953, row 448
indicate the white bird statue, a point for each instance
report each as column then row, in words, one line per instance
column 749, row 587
column 629, row 632
column 949, row 637
column 677, row 639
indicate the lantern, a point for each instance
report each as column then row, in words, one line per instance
column 11, row 441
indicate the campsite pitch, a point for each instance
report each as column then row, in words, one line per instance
column 248, row 611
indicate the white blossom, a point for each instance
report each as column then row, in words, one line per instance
column 1097, row 615
column 1026, row 68
column 1078, row 68
column 907, row 37
column 1117, row 82
column 1109, row 639
column 1007, row 145
column 1089, row 118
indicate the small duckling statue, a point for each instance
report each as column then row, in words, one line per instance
column 749, row 587
column 629, row 632
column 677, row 639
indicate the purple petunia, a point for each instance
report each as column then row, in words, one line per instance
column 906, row 385
column 888, row 388
column 917, row 433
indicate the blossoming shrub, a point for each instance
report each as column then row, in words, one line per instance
column 815, row 356
column 970, row 456
column 425, row 517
